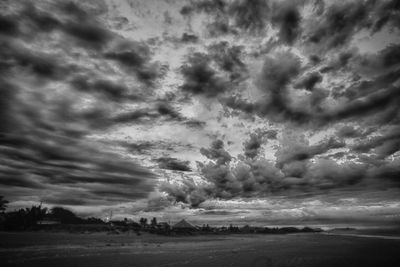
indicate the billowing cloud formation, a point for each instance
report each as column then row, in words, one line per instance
column 254, row 176
column 217, row 152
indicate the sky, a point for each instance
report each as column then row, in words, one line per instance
column 225, row 111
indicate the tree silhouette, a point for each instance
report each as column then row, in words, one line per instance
column 64, row 215
column 24, row 219
column 154, row 222
column 143, row 221
column 3, row 204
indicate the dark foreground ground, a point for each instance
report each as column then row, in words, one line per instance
column 101, row 249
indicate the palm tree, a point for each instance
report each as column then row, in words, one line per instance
column 3, row 204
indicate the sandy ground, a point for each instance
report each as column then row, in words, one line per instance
column 100, row 249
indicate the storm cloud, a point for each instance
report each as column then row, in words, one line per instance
column 43, row 139
column 178, row 105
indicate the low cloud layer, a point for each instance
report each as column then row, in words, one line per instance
column 46, row 152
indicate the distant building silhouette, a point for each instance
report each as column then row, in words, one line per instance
column 184, row 225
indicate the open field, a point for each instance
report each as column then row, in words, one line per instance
column 100, row 249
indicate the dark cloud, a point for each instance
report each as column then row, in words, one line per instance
column 390, row 56
column 157, row 203
column 388, row 171
column 338, row 24
column 130, row 54
column 44, row 131
column 70, row 199
column 326, row 173
column 256, row 177
column 200, row 78
column 8, row 26
column 44, row 65
column 69, row 83
column 136, row 58
column 228, row 59
column 339, row 62
column 212, row 74
column 299, row 152
column 314, row 59
column 318, row 7
column 167, row 110
column 191, row 123
column 173, row 164
column 385, row 60
column 189, row 38
column 309, row 81
column 140, row 147
column 247, row 15
column 237, row 103
column 278, row 71
column 84, row 11
column 88, row 31
column 249, row 178
column 207, row 6
column 253, row 145
column 295, row 168
column 220, row 26
column 90, row 34
column 387, row 12
column 159, row 110
column 19, row 179
column 271, row 134
column 187, row 192
column 338, row 155
column 224, row 183
column 222, row 212
column 30, row 19
column 250, row 15
column 383, row 145
column 369, row 97
column 146, row 147
column 374, row 102
column 69, row 163
column 349, row 131
column 252, row 177
column 217, row 152
column 110, row 90
column 8, row 95
column 276, row 74
column 136, row 116
column 288, row 19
